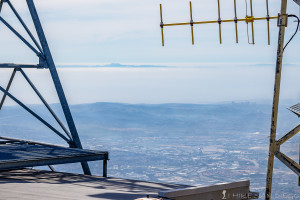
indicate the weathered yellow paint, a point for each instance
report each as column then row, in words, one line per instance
column 273, row 145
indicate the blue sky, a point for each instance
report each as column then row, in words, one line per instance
column 127, row 31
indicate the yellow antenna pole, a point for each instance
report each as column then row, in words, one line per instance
column 219, row 21
column 236, row 20
column 274, row 147
column 162, row 27
column 268, row 21
column 192, row 22
column 252, row 22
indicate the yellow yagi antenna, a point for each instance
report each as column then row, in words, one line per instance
column 235, row 21
column 252, row 22
column 192, row 22
column 219, row 21
column 268, row 21
column 162, row 27
column 248, row 19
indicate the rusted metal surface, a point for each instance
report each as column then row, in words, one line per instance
column 295, row 167
column 273, row 146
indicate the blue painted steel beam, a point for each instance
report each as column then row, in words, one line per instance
column 21, row 37
column 51, row 168
column 35, row 115
column 24, row 25
column 56, row 80
column 8, row 87
column 11, row 65
column 30, row 142
column 45, row 103
column 52, row 161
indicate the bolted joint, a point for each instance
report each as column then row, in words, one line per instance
column 236, row 20
column 42, row 63
column 41, row 56
column 268, row 17
column 192, row 23
column 249, row 19
column 276, row 148
column 219, row 21
column 282, row 20
column 106, row 156
column 161, row 25
column 72, row 144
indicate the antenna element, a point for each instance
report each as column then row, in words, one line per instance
column 247, row 19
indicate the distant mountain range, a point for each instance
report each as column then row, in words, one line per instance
column 153, row 119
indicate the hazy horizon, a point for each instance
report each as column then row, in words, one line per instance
column 191, row 84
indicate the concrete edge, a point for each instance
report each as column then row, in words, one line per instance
column 199, row 190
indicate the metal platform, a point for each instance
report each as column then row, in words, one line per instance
column 15, row 153
column 295, row 109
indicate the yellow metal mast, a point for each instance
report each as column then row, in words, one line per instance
column 236, row 20
column 274, row 147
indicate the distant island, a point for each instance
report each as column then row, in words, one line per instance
column 113, row 65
